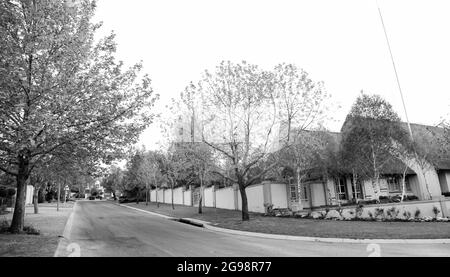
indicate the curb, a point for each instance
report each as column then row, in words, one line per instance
column 66, row 232
column 207, row 225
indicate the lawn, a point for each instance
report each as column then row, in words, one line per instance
column 49, row 222
column 307, row 227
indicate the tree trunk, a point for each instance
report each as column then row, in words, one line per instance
column 245, row 214
column 403, row 184
column 146, row 196
column 299, row 185
column 17, row 222
column 355, row 179
column 173, row 207
column 35, row 199
column 59, row 196
column 200, row 204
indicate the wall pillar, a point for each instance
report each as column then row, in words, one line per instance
column 444, row 208
column 267, row 195
column 182, row 195
column 236, row 196
column 214, row 195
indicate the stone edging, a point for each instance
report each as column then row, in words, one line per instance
column 207, row 225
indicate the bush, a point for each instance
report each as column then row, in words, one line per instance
column 436, row 211
column 446, row 194
column 3, row 192
column 11, row 192
column 359, row 210
column 30, row 230
column 368, row 202
column 417, row 213
column 4, row 226
column 411, row 198
column 392, row 213
column 379, row 212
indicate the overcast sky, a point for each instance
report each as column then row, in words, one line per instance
column 339, row 42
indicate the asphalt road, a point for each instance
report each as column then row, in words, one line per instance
column 103, row 229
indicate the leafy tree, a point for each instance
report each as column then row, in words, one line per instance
column 370, row 135
column 305, row 154
column 200, row 159
column 239, row 122
column 58, row 88
column 113, row 181
column 300, row 100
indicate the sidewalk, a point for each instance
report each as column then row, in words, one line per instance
column 49, row 222
column 231, row 219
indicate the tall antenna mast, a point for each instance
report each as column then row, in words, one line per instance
column 395, row 70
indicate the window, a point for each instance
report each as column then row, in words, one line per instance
column 357, row 192
column 294, row 192
column 341, row 189
column 305, row 193
column 394, row 184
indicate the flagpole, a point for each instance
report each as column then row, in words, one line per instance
column 395, row 70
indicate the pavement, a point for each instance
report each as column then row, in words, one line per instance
column 104, row 229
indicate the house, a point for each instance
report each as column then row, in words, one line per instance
column 330, row 186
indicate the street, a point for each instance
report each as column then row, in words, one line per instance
column 103, row 229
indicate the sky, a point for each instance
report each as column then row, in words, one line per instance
column 341, row 43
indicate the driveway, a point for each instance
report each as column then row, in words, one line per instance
column 103, row 229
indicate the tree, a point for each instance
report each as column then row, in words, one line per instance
column 300, row 100
column 369, row 133
column 305, row 154
column 113, row 181
column 239, row 121
column 58, row 88
column 199, row 157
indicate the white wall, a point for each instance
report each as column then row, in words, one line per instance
column 208, row 194
column 279, row 196
column 168, row 196
column 255, row 197
column 29, row 195
column 178, row 196
column 188, row 198
column 225, row 198
column 160, row 196
column 153, row 196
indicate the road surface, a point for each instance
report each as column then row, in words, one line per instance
column 103, row 229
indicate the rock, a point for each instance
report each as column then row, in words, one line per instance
column 428, row 218
column 333, row 214
column 442, row 219
column 316, row 215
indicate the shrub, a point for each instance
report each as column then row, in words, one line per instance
column 368, row 202
column 340, row 211
column 3, row 192
column 379, row 212
column 407, row 215
column 446, row 194
column 371, row 216
column 393, row 212
column 4, row 226
column 30, row 230
column 11, row 192
column 436, row 211
column 417, row 213
column 359, row 210
column 411, row 198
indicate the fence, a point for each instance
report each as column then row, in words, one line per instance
column 227, row 198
